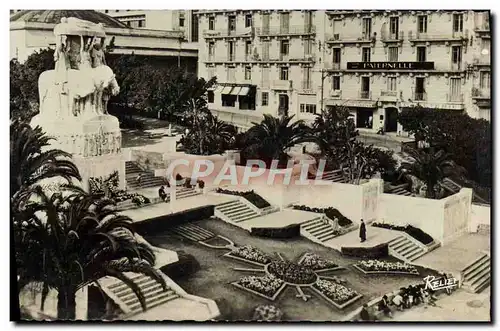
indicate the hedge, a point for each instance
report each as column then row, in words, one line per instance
column 416, row 233
column 187, row 265
column 330, row 212
column 161, row 223
column 251, row 196
column 378, row 251
column 289, row 231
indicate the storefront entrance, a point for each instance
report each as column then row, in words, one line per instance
column 283, row 104
column 364, row 118
column 391, row 119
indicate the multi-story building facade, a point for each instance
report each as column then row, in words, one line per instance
column 376, row 63
column 170, row 20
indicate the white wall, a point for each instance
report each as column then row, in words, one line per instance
column 480, row 215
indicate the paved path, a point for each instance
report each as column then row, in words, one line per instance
column 460, row 306
column 374, row 236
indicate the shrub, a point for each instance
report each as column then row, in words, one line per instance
column 416, row 233
column 187, row 265
column 251, row 196
column 267, row 313
column 289, row 231
column 330, row 212
column 201, row 184
column 378, row 251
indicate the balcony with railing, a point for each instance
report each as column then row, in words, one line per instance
column 414, row 36
column 392, row 36
column 335, row 94
column 282, row 84
column 419, row 96
column 286, row 30
column 225, row 33
column 388, row 95
column 456, row 98
column 365, row 95
column 306, row 87
column 456, row 66
column 253, row 58
column 362, row 38
column 481, row 93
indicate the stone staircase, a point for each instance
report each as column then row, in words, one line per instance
column 236, row 211
column 404, row 248
column 399, row 190
column 192, row 232
column 148, row 179
column 318, row 229
column 183, row 192
column 155, row 295
column 454, row 187
column 476, row 276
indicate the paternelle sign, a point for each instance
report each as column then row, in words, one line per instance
column 390, row 65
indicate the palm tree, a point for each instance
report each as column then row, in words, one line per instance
column 30, row 163
column 67, row 242
column 271, row 138
column 431, row 167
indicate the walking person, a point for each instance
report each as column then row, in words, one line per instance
column 362, row 231
column 384, row 306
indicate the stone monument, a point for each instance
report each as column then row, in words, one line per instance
column 73, row 101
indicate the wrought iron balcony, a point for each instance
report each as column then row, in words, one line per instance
column 285, row 30
column 455, row 98
column 224, row 33
column 387, row 93
column 388, row 36
column 420, row 96
column 365, row 95
column 457, row 66
column 335, row 94
column 424, row 36
column 282, row 84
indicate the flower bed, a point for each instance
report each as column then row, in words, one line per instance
column 119, row 196
column 330, row 212
column 338, row 293
column 375, row 266
column 292, row 272
column 315, row 262
column 416, row 233
column 250, row 253
column 251, row 196
column 267, row 313
column 266, row 285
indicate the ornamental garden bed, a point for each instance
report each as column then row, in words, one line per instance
column 384, row 267
column 249, row 254
column 338, row 295
column 317, row 263
column 330, row 212
column 412, row 231
column 268, row 286
column 251, row 196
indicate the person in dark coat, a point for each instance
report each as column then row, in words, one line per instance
column 362, row 231
column 161, row 193
column 364, row 314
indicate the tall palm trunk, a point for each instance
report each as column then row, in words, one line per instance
column 66, row 303
column 430, row 190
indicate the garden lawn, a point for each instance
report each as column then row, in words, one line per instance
column 216, row 274
column 137, row 138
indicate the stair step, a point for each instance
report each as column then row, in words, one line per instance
column 471, row 267
column 125, row 290
column 238, row 213
column 198, row 229
column 485, row 272
column 321, row 230
column 481, row 286
column 415, row 255
column 477, row 272
column 156, row 301
column 119, row 283
column 402, row 245
column 315, row 223
column 233, row 208
column 238, row 220
column 330, row 236
column 150, row 292
column 397, row 240
column 410, row 249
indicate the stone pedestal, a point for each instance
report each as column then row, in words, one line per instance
column 94, row 143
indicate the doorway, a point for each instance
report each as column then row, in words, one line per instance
column 391, row 119
column 364, row 118
column 283, row 104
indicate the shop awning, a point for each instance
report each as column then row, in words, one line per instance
column 244, row 91
column 219, row 89
column 227, row 90
column 236, row 90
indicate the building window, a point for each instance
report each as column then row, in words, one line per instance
column 393, row 54
column 391, row 83
column 419, row 89
column 422, row 23
column 248, row 73
column 336, row 83
column 211, row 49
column 265, row 50
column 336, row 55
column 181, row 19
column 211, row 23
column 285, row 22
column 366, row 53
column 455, row 89
column 194, row 27
column 308, row 108
column 232, row 23
column 230, row 49
column 284, row 73
column 284, row 47
column 421, row 53
column 458, row 22
column 365, row 88
column 306, row 84
column 367, row 27
column 248, row 47
column 308, row 47
column 456, row 54
column 248, row 21
column 265, row 98
column 228, row 100
column 394, row 26
column 484, row 82
column 231, row 74
column 210, row 96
